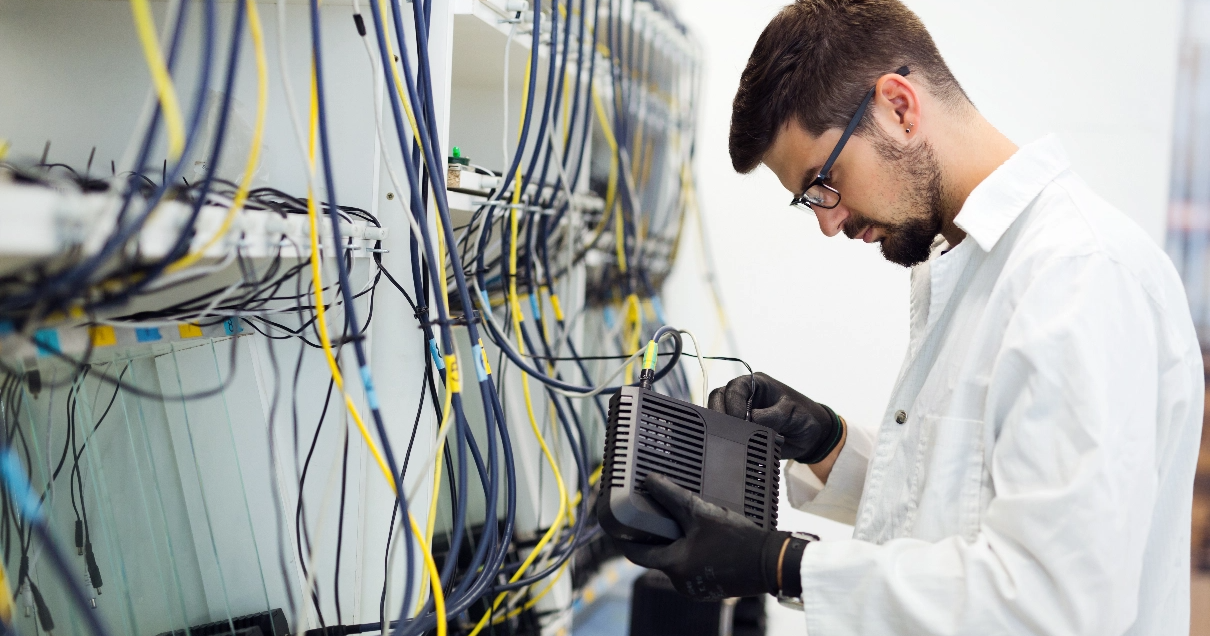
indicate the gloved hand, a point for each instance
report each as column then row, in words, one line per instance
column 811, row 430
column 722, row 554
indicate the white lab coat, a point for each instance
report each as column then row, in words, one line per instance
column 1042, row 480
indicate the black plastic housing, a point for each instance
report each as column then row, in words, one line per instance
column 725, row 460
column 260, row 624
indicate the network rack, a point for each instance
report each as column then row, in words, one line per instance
column 311, row 310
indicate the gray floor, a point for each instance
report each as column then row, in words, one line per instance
column 607, row 613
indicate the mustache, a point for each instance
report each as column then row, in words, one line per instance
column 857, row 225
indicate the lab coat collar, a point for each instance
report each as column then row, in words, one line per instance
column 996, row 202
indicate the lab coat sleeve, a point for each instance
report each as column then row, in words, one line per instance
column 1059, row 549
column 838, row 499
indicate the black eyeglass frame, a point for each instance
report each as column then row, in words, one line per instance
column 825, row 172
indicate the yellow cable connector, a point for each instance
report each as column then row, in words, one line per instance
column 649, row 358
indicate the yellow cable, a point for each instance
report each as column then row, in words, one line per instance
column 592, row 481
column 258, row 133
column 164, row 88
column 338, row 379
column 632, row 327
column 533, row 601
column 611, row 187
column 431, row 524
column 6, row 598
column 4, row 145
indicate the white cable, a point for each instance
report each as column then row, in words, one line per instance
column 701, row 364
column 413, row 226
column 197, row 271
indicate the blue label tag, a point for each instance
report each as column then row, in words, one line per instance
column 6, row 327
column 147, row 334
column 231, row 326
column 477, row 353
column 371, row 394
column 533, row 306
column 436, row 353
column 47, row 341
column 18, row 486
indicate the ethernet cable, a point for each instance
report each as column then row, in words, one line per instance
column 160, row 76
column 17, row 483
column 258, row 131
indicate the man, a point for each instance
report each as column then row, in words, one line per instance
column 1033, row 471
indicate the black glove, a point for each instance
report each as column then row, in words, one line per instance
column 722, row 553
column 811, row 430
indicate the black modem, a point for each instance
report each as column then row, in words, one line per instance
column 725, row 460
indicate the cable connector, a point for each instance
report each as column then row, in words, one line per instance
column 647, row 374
column 44, row 618
column 94, row 572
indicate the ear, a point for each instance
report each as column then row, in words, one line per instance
column 897, row 107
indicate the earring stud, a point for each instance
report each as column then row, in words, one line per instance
column 909, row 128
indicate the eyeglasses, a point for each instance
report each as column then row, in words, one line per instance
column 819, row 193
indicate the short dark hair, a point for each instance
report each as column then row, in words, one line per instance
column 816, row 61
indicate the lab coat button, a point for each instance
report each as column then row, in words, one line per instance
column 900, row 417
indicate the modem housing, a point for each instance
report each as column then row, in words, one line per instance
column 725, row 460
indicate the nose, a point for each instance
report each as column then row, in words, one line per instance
column 831, row 221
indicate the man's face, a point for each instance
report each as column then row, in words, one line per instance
column 890, row 193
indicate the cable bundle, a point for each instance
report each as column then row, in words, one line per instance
column 621, row 77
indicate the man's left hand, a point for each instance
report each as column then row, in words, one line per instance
column 722, row 553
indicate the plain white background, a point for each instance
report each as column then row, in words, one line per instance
column 829, row 316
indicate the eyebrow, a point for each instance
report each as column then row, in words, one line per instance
column 808, row 178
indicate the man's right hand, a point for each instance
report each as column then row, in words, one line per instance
column 811, row 430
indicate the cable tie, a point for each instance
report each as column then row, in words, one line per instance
column 361, row 25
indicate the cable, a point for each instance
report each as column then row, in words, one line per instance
column 160, row 77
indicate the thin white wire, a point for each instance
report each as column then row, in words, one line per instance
column 196, row 271
column 701, row 363
column 413, row 226
column 303, row 605
column 299, row 137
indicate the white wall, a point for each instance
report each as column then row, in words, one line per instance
column 830, row 316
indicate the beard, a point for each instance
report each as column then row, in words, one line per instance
column 910, row 242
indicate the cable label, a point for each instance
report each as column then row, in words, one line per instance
column 478, row 355
column 436, row 353
column 368, row 383
column 649, row 357
column 533, row 307
column 452, row 382
column 554, row 303
column 487, row 367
